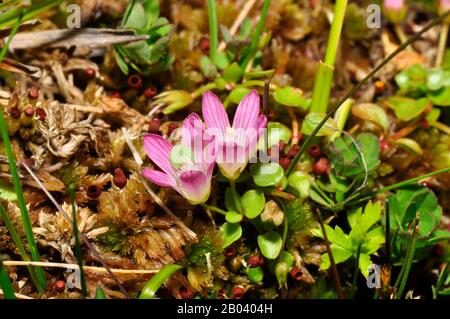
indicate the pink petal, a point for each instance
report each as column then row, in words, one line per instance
column 159, row 178
column 247, row 112
column 214, row 113
column 262, row 121
column 192, row 135
column 196, row 185
column 158, row 149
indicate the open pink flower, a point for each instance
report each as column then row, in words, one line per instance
column 444, row 4
column 393, row 4
column 236, row 144
column 186, row 167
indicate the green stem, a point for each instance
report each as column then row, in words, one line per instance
column 441, row 126
column 21, row 201
column 78, row 252
column 10, row 37
column 16, row 239
column 404, row 273
column 237, row 202
column 214, row 209
column 256, row 36
column 442, row 45
column 341, row 116
column 213, row 30
column 358, row 86
column 203, row 89
column 356, row 270
column 324, row 78
column 5, row 283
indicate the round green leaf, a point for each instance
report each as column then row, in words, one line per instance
column 255, row 274
column 253, row 202
column 301, row 181
column 232, row 73
column 440, row 97
column 371, row 112
column 276, row 132
column 270, row 244
column 313, row 119
column 264, row 175
column 406, row 108
column 291, row 96
column 435, row 79
column 230, row 233
column 237, row 94
column 233, row 217
column 409, row 145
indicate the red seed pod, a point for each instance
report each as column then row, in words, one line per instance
column 186, row 292
column 384, row 145
column 285, row 162
column 116, row 95
column 40, row 113
column 90, row 73
column 93, row 191
column 314, row 151
column 135, row 81
column 14, row 112
column 281, row 145
column 155, row 123
column 172, row 127
column 33, row 93
column 60, row 286
column 321, row 166
column 238, row 292
column 293, row 151
column 29, row 111
column 150, row 92
column 229, row 252
column 119, row 178
column 296, row 273
column 425, row 124
column 255, row 261
column 203, row 44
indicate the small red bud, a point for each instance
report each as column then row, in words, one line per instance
column 425, row 124
column 281, row 145
column 172, row 127
column 119, row 178
column 116, row 95
column 314, row 151
column 296, row 273
column 93, row 191
column 321, row 166
column 238, row 292
column 29, row 111
column 40, row 113
column 285, row 162
column 186, row 292
column 254, row 261
column 135, row 81
column 33, row 93
column 293, row 151
column 150, row 92
column 90, row 73
column 203, row 43
column 229, row 252
column 14, row 112
column 60, row 286
column 154, row 125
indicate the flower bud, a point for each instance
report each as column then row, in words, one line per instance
column 394, row 10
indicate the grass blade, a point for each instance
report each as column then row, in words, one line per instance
column 99, row 293
column 152, row 286
column 10, row 17
column 21, row 201
column 5, row 283
column 16, row 239
column 213, row 30
column 10, row 37
column 78, row 252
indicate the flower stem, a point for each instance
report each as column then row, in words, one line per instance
column 203, row 89
column 237, row 202
column 358, row 86
column 400, row 33
column 442, row 45
column 441, row 126
column 324, row 78
column 213, row 30
column 356, row 270
column 214, row 209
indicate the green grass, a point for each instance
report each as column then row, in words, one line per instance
column 21, row 202
column 5, row 283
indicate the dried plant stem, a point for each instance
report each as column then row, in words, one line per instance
column 76, row 267
column 337, row 280
column 360, row 84
column 295, row 128
column 442, row 44
column 237, row 23
column 19, row 296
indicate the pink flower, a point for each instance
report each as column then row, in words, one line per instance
column 444, row 4
column 393, row 4
column 236, row 144
column 186, row 167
